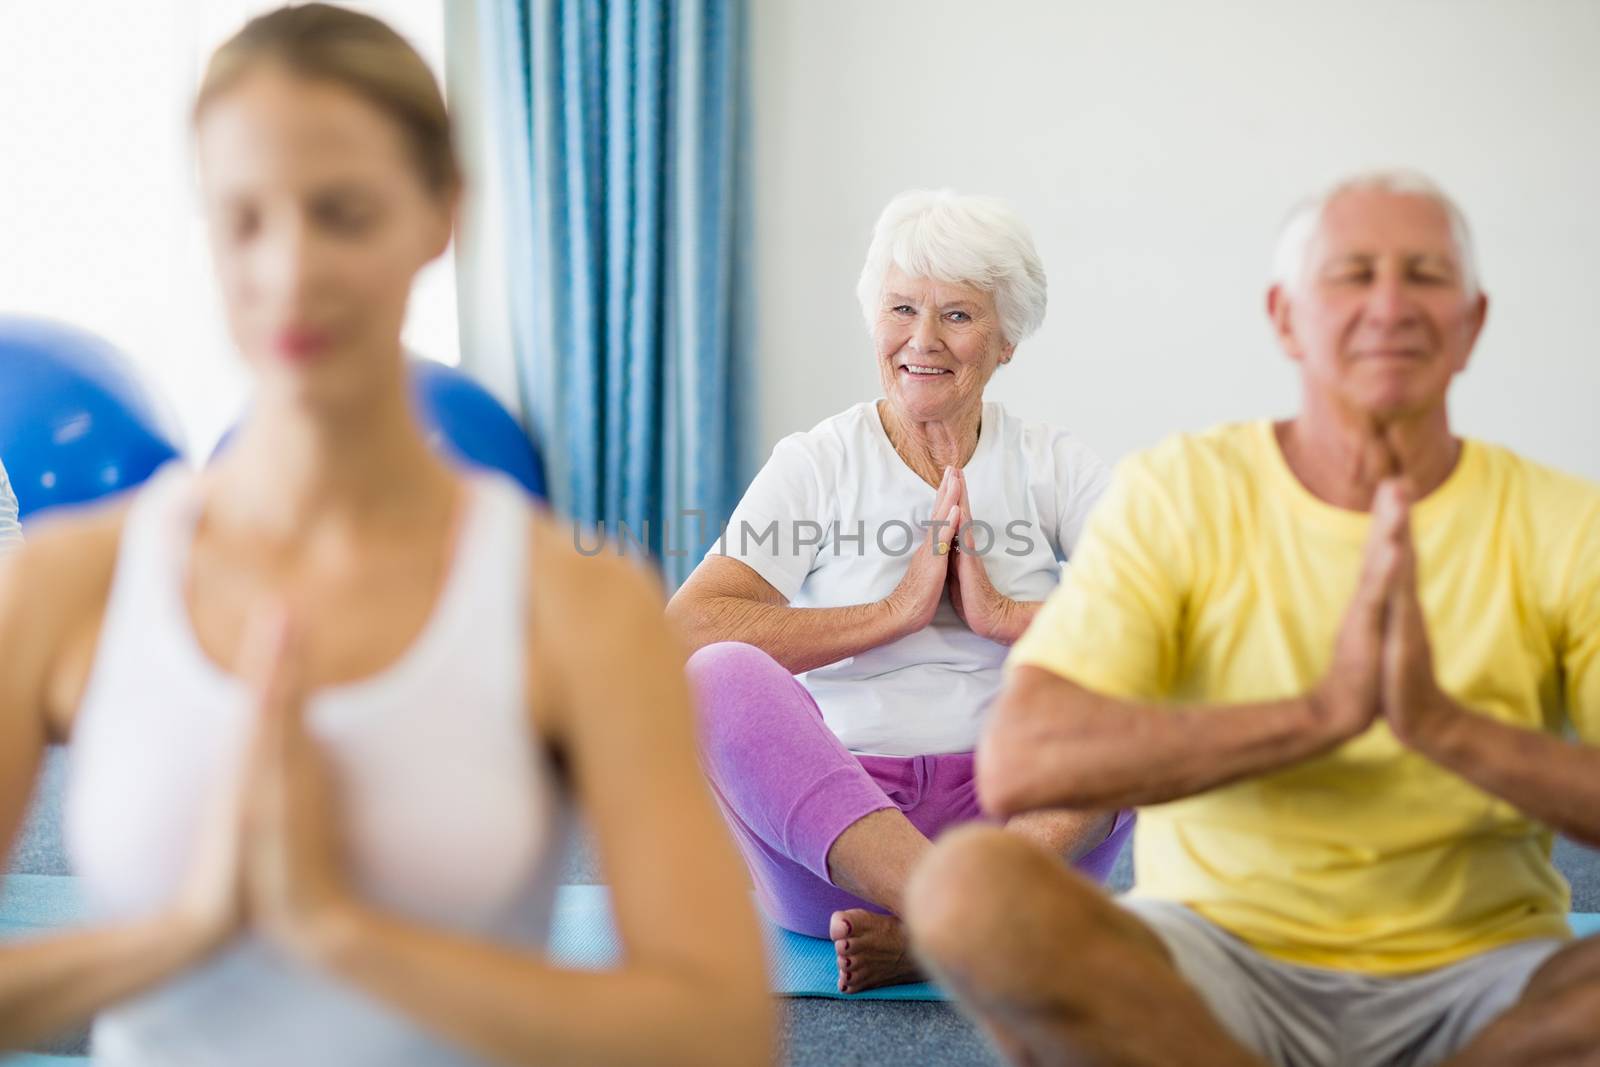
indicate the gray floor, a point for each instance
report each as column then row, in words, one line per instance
column 816, row 1031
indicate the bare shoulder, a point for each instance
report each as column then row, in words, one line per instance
column 65, row 560
column 590, row 611
column 53, row 593
column 590, row 590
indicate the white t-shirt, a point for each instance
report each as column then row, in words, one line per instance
column 10, row 531
column 831, row 521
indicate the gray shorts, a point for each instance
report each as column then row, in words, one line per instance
column 1313, row 1017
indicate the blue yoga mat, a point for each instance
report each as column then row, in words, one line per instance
column 37, row 902
column 581, row 935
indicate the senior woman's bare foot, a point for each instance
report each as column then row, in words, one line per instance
column 873, row 950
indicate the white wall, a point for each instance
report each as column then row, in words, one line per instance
column 99, row 222
column 1154, row 148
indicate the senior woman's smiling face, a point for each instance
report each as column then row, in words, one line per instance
column 938, row 343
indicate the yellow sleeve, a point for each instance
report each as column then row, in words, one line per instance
column 1580, row 658
column 1112, row 625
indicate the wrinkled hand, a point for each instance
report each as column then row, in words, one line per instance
column 985, row 610
column 916, row 598
column 1350, row 696
column 1413, row 703
column 295, row 882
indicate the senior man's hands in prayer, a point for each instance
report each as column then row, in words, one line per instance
column 1383, row 662
column 1350, row 696
column 1544, row 775
column 1413, row 703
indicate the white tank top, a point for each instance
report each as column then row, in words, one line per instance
column 451, row 810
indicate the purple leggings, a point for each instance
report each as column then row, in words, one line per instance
column 789, row 788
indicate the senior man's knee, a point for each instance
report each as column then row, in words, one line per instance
column 1576, row 1014
column 1549, row 1026
column 979, row 885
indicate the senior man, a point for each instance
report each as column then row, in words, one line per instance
column 1334, row 659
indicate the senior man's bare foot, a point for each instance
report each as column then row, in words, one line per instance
column 873, row 950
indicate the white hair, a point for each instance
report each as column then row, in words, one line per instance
column 1294, row 240
column 966, row 240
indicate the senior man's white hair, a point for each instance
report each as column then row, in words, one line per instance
column 1289, row 259
column 971, row 240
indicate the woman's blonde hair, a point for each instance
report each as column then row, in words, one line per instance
column 358, row 52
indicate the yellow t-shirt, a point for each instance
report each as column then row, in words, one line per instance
column 1208, row 573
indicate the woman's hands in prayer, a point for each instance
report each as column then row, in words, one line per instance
column 987, row 612
column 948, row 563
column 916, row 599
column 268, row 857
column 294, row 878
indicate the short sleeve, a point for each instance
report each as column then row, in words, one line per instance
column 775, row 528
column 1580, row 656
column 1112, row 625
column 10, row 529
column 1082, row 478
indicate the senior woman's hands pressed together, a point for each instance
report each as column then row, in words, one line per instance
column 986, row 611
column 915, row 600
column 949, row 564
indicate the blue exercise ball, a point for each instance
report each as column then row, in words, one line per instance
column 75, row 422
column 463, row 421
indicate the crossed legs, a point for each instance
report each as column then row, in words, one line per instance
column 830, row 838
column 1058, row 973
column 873, row 859
column 1050, row 966
column 1555, row 1024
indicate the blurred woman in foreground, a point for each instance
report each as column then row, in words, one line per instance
column 331, row 702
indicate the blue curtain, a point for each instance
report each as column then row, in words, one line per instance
column 620, row 128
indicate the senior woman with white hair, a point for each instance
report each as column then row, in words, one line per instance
column 888, row 557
